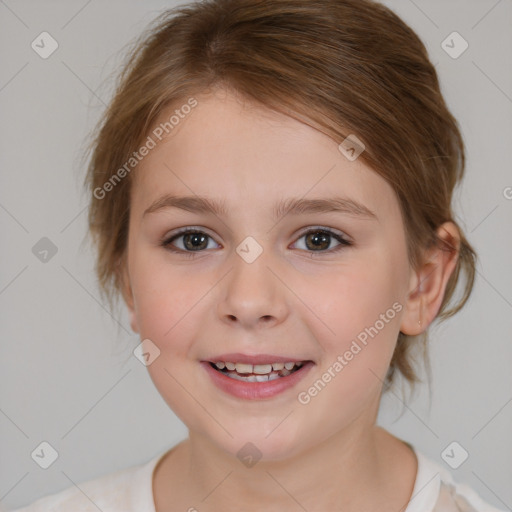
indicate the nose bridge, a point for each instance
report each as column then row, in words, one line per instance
column 252, row 292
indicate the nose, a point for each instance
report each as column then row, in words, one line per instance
column 253, row 294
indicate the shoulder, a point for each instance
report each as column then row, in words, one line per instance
column 122, row 491
column 107, row 493
column 460, row 498
column 436, row 490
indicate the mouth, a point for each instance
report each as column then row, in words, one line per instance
column 258, row 372
column 256, row 377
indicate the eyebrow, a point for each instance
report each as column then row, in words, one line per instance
column 291, row 206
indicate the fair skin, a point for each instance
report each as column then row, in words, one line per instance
column 327, row 454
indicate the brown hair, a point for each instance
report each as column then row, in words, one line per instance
column 341, row 66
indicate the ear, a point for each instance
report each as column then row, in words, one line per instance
column 126, row 291
column 428, row 283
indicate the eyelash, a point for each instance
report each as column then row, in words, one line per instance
column 166, row 242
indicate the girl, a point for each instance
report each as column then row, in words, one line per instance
column 271, row 196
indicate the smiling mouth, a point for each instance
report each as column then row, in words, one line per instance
column 258, row 372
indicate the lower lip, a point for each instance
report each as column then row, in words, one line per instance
column 256, row 390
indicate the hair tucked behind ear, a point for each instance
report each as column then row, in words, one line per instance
column 341, row 66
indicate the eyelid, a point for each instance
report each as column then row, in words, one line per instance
column 344, row 240
column 301, row 232
column 337, row 232
column 168, row 238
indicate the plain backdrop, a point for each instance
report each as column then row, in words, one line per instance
column 67, row 374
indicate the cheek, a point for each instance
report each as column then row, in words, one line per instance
column 359, row 307
column 363, row 310
column 165, row 300
column 167, row 306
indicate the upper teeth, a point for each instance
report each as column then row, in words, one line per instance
column 260, row 369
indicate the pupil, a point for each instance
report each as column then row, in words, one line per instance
column 195, row 237
column 318, row 236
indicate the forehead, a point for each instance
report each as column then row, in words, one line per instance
column 236, row 152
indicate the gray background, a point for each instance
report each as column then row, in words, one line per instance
column 67, row 374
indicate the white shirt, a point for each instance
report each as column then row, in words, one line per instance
column 131, row 490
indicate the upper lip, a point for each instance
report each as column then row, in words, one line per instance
column 254, row 359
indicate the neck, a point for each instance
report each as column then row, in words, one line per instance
column 355, row 469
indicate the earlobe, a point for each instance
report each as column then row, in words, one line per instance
column 133, row 321
column 428, row 284
column 128, row 298
column 133, row 316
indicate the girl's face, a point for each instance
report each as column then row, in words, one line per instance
column 252, row 283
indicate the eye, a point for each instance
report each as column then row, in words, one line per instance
column 194, row 240
column 321, row 238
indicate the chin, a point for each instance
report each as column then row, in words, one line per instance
column 253, row 441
